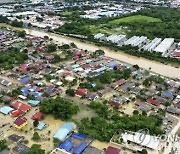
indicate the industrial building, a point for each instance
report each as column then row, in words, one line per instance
column 165, row 45
column 139, row 42
column 131, row 40
column 152, row 45
column 100, row 36
column 118, row 39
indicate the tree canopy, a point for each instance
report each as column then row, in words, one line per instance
column 59, row 108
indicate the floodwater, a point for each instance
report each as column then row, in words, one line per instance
column 159, row 68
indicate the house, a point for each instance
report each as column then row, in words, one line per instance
column 5, row 152
column 24, row 80
column 118, row 83
column 64, row 131
column 16, row 138
column 21, row 106
column 16, row 113
column 92, row 150
column 6, row 110
column 153, row 102
column 135, row 90
column 113, row 150
column 41, row 126
column 21, row 149
column 37, row 116
column 173, row 110
column 20, row 122
column 115, row 102
column 33, row 102
column 138, row 103
column 81, row 92
column 92, row 96
column 167, row 94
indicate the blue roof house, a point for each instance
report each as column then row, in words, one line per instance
column 6, row 110
column 64, row 131
column 112, row 64
column 33, row 102
column 41, row 125
column 168, row 94
column 24, row 80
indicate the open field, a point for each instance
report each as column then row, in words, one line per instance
column 135, row 18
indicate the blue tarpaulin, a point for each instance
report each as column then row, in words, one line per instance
column 67, row 145
column 79, row 136
column 80, row 148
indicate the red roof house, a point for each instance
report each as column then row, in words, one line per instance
column 86, row 66
column 114, row 103
column 16, row 113
column 80, row 53
column 112, row 150
column 23, row 67
column 21, row 106
column 37, row 116
column 80, row 92
column 138, row 103
column 153, row 102
column 176, row 54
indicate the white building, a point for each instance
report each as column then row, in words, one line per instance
column 165, row 45
column 148, row 141
column 152, row 45
column 116, row 38
column 131, row 40
column 100, row 36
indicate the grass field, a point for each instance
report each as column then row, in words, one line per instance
column 66, row 13
column 135, row 18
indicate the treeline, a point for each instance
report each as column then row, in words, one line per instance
column 108, row 122
column 14, row 23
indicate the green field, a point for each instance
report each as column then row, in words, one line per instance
column 135, row 18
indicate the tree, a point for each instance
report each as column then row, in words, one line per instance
column 36, row 149
column 21, row 33
column 36, row 136
column 144, row 113
column 3, row 145
column 135, row 112
column 39, row 19
column 35, row 123
column 16, row 23
column 73, row 45
column 99, row 52
column 136, row 67
column 59, row 108
column 51, row 47
column 144, row 151
column 70, row 92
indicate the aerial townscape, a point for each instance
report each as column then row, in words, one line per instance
column 89, row 77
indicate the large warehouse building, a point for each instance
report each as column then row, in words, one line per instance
column 165, row 45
